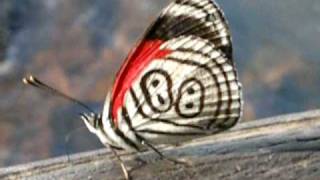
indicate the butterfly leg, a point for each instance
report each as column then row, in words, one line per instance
column 123, row 167
column 162, row 156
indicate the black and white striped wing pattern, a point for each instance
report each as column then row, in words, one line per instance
column 193, row 88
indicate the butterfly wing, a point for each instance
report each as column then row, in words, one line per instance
column 180, row 80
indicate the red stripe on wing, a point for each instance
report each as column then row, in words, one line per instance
column 137, row 60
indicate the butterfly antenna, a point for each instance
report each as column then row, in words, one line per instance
column 33, row 81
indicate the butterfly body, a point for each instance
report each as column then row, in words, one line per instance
column 179, row 83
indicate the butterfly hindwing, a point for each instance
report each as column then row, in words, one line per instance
column 180, row 80
column 193, row 89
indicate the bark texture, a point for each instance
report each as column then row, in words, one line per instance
column 284, row 147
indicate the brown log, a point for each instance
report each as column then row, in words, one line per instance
column 284, row 147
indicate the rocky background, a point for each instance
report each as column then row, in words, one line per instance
column 78, row 45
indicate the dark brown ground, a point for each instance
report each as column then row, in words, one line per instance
column 285, row 147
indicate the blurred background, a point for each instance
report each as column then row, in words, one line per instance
column 78, row 45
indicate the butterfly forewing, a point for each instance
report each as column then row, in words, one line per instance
column 201, row 18
column 180, row 80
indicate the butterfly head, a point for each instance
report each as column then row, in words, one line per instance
column 92, row 121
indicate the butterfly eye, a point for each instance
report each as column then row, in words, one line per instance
column 156, row 88
column 190, row 98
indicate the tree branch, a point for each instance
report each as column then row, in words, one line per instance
column 284, row 147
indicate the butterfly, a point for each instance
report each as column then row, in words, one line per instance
column 177, row 84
